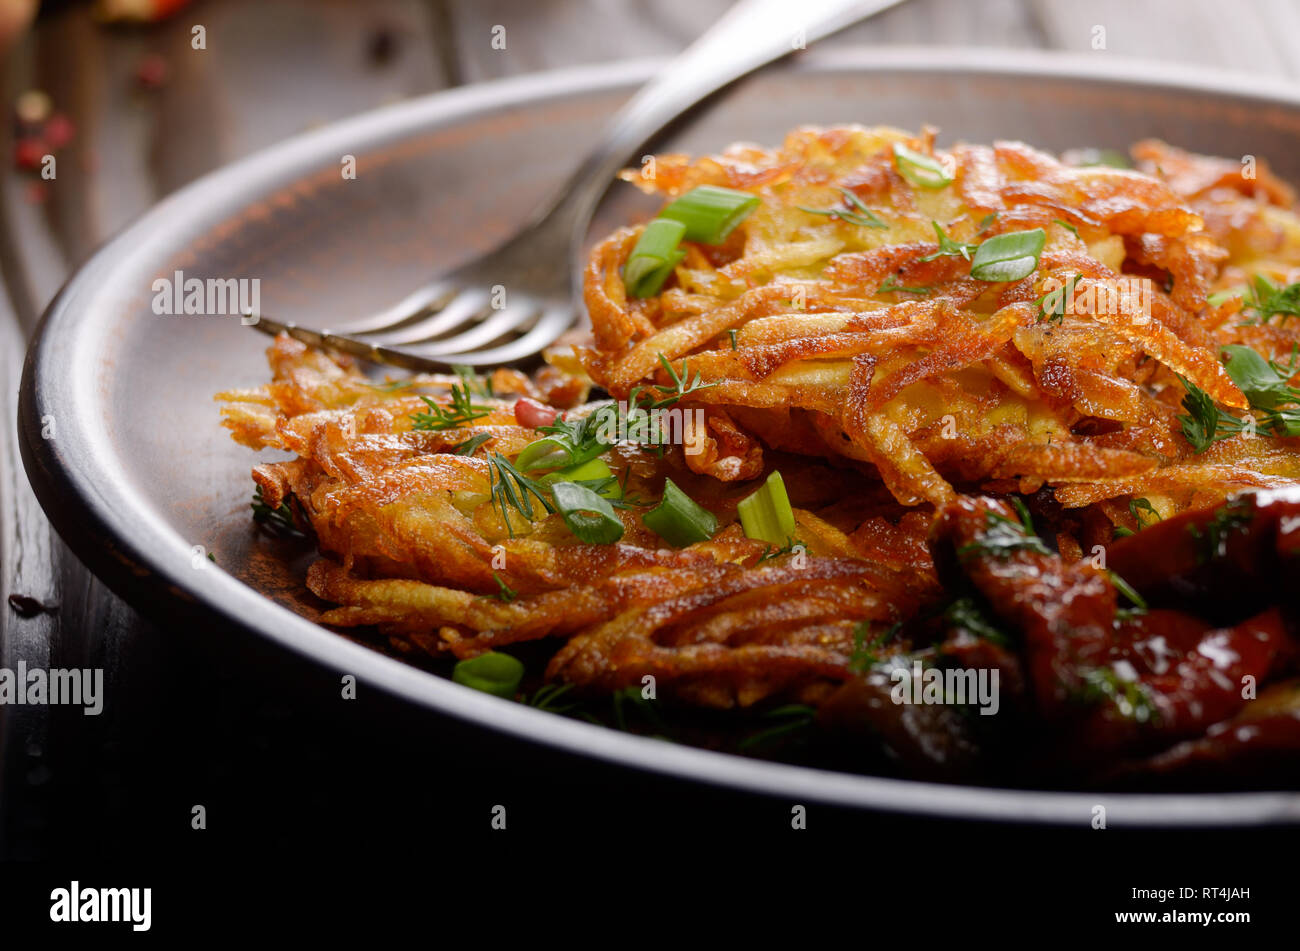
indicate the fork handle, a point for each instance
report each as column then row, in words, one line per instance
column 749, row 35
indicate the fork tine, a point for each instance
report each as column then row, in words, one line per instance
column 494, row 327
column 461, row 310
column 555, row 321
column 431, row 298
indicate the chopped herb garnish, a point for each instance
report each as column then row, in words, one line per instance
column 547, row 698
column 1113, row 158
column 794, row 718
column 771, row 551
column 1131, row 697
column 1053, row 305
column 497, row 674
column 468, row 447
column 731, row 335
column 471, row 382
column 857, row 213
column 948, row 247
column 1205, row 423
column 921, row 170
column 279, row 521
column 511, row 489
column 679, row 520
column 1002, row 536
column 1008, row 257
column 966, row 613
column 503, row 593
column 1136, row 507
column 766, row 514
column 588, row 514
column 570, row 442
column 682, row 385
column 1129, row 592
column 391, row 386
column 1219, row 298
column 1264, row 300
column 654, row 257
column 1235, row 515
column 1067, row 226
column 986, row 222
column 711, row 213
column 864, row 656
column 890, row 286
column 462, row 410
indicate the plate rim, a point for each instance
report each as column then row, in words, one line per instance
column 100, row 522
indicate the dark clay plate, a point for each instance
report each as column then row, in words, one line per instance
column 120, row 433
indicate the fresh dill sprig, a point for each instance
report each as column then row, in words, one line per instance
column 864, row 656
column 858, row 213
column 788, row 548
column 278, row 521
column 966, row 613
column 547, row 698
column 503, row 593
column 1056, row 313
column 948, row 247
column 472, row 382
column 1003, row 535
column 793, row 719
column 468, row 447
column 1131, row 698
column 1265, row 300
column 682, row 386
column 462, row 410
column 511, row 489
column 1235, row 515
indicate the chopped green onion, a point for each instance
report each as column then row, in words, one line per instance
column 921, row 170
column 1113, row 158
column 1008, row 257
column 678, row 520
column 1219, row 298
column 497, row 674
column 766, row 515
column 589, row 516
column 593, row 470
column 654, row 257
column 711, row 213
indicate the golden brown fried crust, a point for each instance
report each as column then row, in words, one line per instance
column 966, row 384
column 414, row 548
column 878, row 406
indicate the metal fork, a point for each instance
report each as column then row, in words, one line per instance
column 507, row 305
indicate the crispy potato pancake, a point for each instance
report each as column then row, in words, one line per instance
column 993, row 463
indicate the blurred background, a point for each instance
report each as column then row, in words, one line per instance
column 135, row 98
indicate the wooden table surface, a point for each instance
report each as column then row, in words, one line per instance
column 175, row 731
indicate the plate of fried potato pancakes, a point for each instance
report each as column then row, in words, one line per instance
column 884, row 454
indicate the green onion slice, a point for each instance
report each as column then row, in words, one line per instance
column 654, row 257
column 678, row 520
column 711, row 213
column 766, row 515
column 1219, row 298
column 1008, row 257
column 589, row 516
column 497, row 674
column 592, row 471
column 921, row 170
